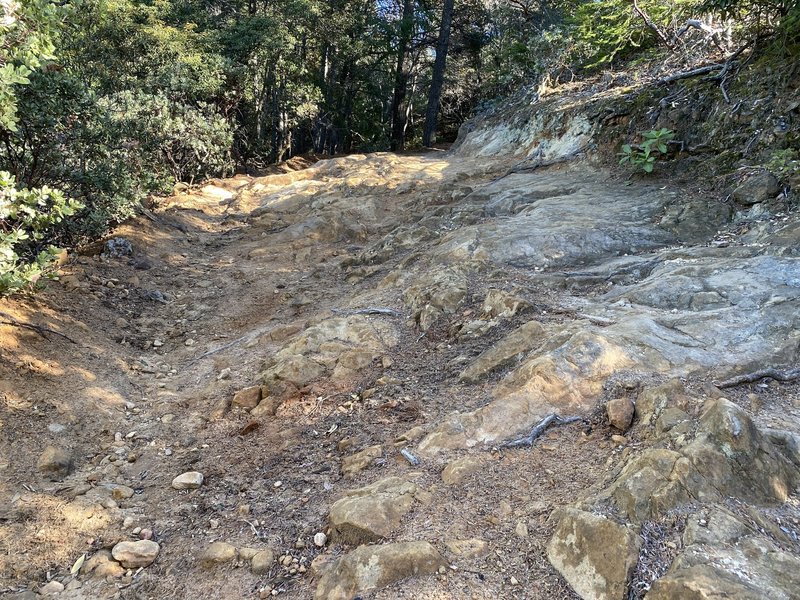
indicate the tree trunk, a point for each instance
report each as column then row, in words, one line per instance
column 401, row 77
column 437, row 79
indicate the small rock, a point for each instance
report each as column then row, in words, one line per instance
column 262, row 562
column 56, row 428
column 102, row 565
column 513, row 580
column 217, row 554
column 248, row 398
column 521, row 529
column 55, row 462
column 352, row 465
column 620, row 413
column 52, row 588
column 118, row 247
column 190, row 480
column 619, row 439
column 127, row 522
column 146, row 534
column 320, row 539
column 133, row 555
column 189, row 342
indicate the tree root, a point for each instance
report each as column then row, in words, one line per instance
column 773, row 373
column 39, row 329
column 540, row 428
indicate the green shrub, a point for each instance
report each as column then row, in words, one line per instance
column 644, row 156
column 27, row 218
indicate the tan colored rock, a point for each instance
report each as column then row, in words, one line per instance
column 499, row 303
column 248, row 553
column 101, row 564
column 373, row 512
column 266, row 408
column 355, row 463
column 594, row 554
column 459, row 469
column 262, row 562
column 371, row 568
column 518, row 342
column 133, row 555
column 620, row 413
column 248, row 398
column 218, row 553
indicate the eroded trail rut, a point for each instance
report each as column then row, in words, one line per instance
column 288, row 336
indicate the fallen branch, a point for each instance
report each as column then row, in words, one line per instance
column 692, row 73
column 40, row 329
column 368, row 311
column 649, row 22
column 540, row 428
column 773, row 373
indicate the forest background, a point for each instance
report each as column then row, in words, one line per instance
column 105, row 103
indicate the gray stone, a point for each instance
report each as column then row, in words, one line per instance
column 218, row 553
column 757, row 188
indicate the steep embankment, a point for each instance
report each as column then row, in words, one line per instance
column 286, row 337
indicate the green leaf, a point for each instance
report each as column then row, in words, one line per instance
column 648, row 167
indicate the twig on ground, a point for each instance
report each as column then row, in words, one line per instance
column 776, row 374
column 40, row 329
column 539, row 430
column 649, row 22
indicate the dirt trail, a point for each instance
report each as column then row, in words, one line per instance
column 260, row 281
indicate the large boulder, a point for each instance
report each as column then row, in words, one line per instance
column 373, row 512
column 371, row 568
column 594, row 554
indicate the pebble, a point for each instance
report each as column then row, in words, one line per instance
column 55, row 428
column 191, row 480
column 146, row 534
column 320, row 539
column 218, row 553
column 157, row 343
column 619, row 439
column 127, row 522
column 189, row 342
column 514, row 580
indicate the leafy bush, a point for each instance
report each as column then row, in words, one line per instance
column 644, row 156
column 27, row 218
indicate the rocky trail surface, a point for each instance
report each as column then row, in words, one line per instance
column 302, row 385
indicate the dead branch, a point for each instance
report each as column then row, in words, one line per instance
column 40, row 329
column 540, row 428
column 773, row 373
column 649, row 22
column 368, row 311
column 692, row 73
